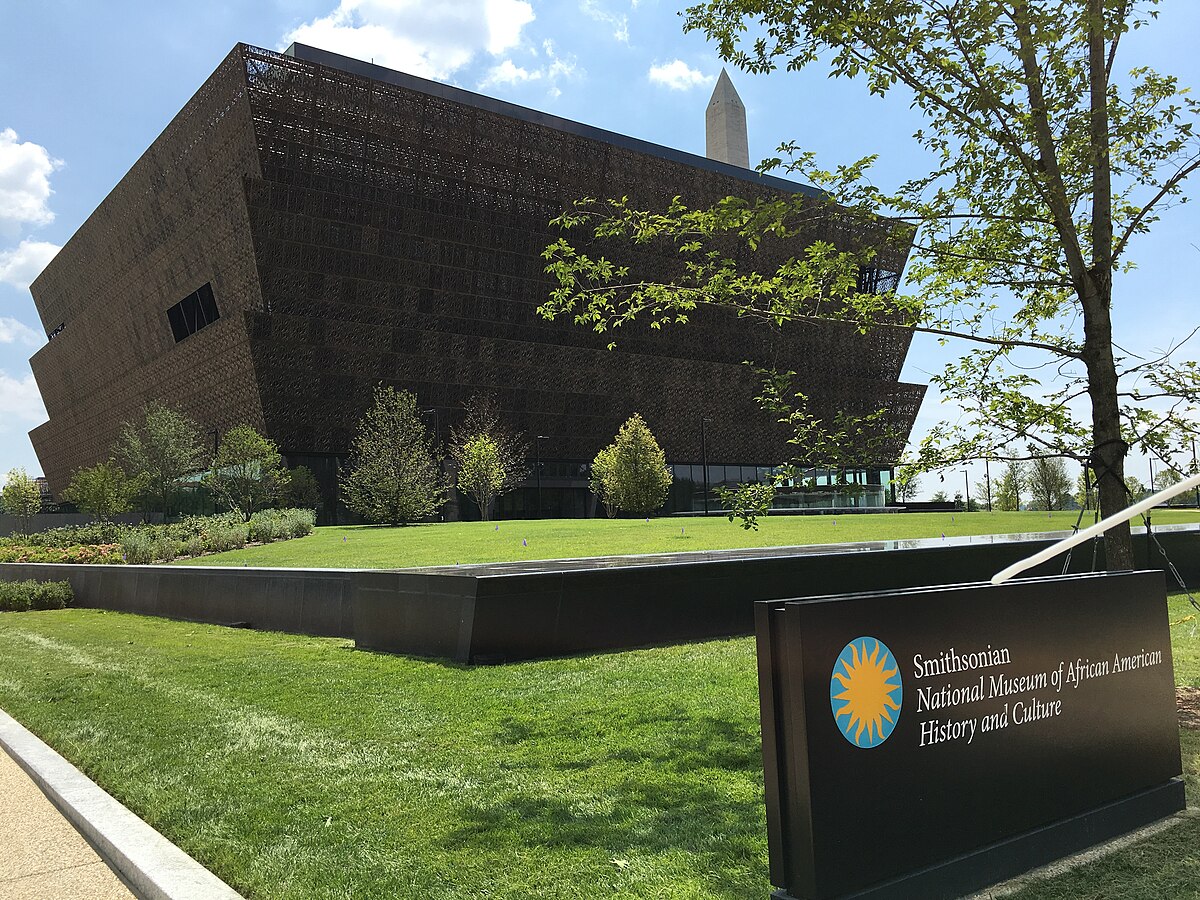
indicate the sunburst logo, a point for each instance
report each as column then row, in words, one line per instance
column 866, row 692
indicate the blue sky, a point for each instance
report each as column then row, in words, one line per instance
column 85, row 87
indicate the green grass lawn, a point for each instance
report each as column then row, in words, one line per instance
column 297, row 767
column 375, row 547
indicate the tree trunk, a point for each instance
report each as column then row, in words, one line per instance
column 1108, row 446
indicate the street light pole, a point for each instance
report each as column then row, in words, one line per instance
column 987, row 480
column 967, row 482
column 704, row 463
column 1194, row 470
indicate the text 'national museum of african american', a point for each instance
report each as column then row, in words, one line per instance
column 309, row 226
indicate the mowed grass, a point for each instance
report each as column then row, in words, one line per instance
column 377, row 547
column 299, row 768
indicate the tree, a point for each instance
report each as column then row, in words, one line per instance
column 159, row 451
column 985, row 494
column 103, row 490
column 939, row 497
column 908, row 487
column 1047, row 169
column 601, row 478
column 635, row 473
column 1165, row 479
column 247, row 471
column 21, row 497
column 1049, row 483
column 1012, row 482
column 301, row 489
column 480, row 470
column 497, row 461
column 393, row 475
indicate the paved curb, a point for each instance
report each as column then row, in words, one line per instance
column 152, row 866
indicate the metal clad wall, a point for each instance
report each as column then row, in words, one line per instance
column 176, row 221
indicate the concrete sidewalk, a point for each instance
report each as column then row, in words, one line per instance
column 43, row 856
column 51, row 858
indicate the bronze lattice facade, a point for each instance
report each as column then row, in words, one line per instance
column 309, row 226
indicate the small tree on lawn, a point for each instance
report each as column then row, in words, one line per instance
column 481, row 472
column 159, row 450
column 1049, row 483
column 493, row 453
column 21, row 497
column 247, row 472
column 600, row 479
column 638, row 480
column 102, row 490
column 393, row 472
column 907, row 487
column 1011, row 483
column 301, row 490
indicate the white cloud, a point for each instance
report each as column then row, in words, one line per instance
column 14, row 332
column 432, row 40
column 20, row 266
column 678, row 76
column 25, row 170
column 508, row 73
column 20, row 399
column 556, row 67
column 618, row 23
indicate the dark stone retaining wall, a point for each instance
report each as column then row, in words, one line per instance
column 300, row 601
column 483, row 614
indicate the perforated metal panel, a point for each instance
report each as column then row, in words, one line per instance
column 358, row 231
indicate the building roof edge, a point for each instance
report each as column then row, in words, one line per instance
column 307, row 53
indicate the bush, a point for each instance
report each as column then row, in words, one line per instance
column 194, row 546
column 281, row 524
column 166, row 548
column 226, row 537
column 97, row 554
column 138, row 548
column 70, row 535
column 21, row 596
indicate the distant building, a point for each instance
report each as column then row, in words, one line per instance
column 310, row 225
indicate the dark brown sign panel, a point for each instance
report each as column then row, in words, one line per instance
column 932, row 741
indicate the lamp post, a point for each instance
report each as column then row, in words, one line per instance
column 987, row 480
column 704, row 462
column 967, row 484
column 1194, row 472
column 538, row 444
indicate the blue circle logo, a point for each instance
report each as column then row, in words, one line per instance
column 865, row 692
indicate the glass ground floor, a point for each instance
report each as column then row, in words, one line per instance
column 560, row 490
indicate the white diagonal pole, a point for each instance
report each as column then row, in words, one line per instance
column 1099, row 528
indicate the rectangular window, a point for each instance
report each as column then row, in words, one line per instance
column 195, row 311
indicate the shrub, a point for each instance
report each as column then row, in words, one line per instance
column 226, row 537
column 281, row 524
column 138, row 547
column 166, row 548
column 194, row 546
column 69, row 535
column 21, row 596
column 51, row 594
column 14, row 596
column 98, row 554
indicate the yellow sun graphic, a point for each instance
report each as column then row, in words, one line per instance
column 866, row 692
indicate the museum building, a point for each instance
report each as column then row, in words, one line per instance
column 309, row 226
